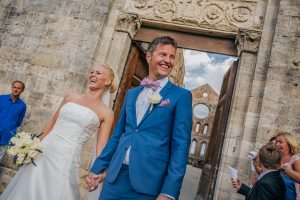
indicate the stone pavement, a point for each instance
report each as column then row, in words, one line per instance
column 190, row 183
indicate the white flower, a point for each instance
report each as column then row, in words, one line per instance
column 20, row 158
column 27, row 160
column 35, row 146
column 154, row 98
column 28, row 141
column 22, row 134
column 32, row 153
column 13, row 140
column 27, row 137
column 19, row 143
column 12, row 151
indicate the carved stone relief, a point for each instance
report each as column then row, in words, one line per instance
column 247, row 41
column 296, row 62
column 128, row 23
column 296, row 56
column 224, row 15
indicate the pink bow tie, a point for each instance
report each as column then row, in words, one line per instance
column 146, row 82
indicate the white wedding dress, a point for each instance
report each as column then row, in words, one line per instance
column 56, row 176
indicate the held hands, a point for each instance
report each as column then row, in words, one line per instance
column 92, row 181
column 236, row 183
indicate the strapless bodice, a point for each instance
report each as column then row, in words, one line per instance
column 76, row 123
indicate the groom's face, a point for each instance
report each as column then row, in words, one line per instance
column 161, row 61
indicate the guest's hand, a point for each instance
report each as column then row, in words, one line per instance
column 285, row 166
column 236, row 183
column 163, row 197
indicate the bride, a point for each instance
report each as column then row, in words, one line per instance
column 78, row 118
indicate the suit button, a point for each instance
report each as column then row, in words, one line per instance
column 136, row 130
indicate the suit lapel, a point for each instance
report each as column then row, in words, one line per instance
column 163, row 92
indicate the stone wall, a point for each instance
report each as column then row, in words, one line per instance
column 50, row 45
column 281, row 105
column 273, row 104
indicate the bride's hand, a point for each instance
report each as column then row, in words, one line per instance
column 40, row 136
column 93, row 180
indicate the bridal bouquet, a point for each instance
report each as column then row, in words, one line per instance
column 24, row 147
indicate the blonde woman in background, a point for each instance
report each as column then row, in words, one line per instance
column 290, row 159
column 78, row 118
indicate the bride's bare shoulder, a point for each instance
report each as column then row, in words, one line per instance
column 107, row 112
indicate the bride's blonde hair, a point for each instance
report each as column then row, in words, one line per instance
column 112, row 87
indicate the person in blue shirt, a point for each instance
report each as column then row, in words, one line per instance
column 12, row 112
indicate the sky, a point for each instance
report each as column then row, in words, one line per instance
column 202, row 68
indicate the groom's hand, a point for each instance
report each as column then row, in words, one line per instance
column 163, row 197
column 93, row 180
column 99, row 178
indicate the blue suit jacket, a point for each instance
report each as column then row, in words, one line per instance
column 159, row 143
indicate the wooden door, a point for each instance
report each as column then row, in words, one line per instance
column 135, row 70
column 214, row 149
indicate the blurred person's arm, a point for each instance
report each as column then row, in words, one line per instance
column 244, row 190
column 253, row 178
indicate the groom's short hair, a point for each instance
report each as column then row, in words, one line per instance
column 161, row 40
column 269, row 156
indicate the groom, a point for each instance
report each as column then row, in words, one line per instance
column 147, row 153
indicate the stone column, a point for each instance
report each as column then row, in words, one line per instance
column 127, row 26
column 238, row 134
